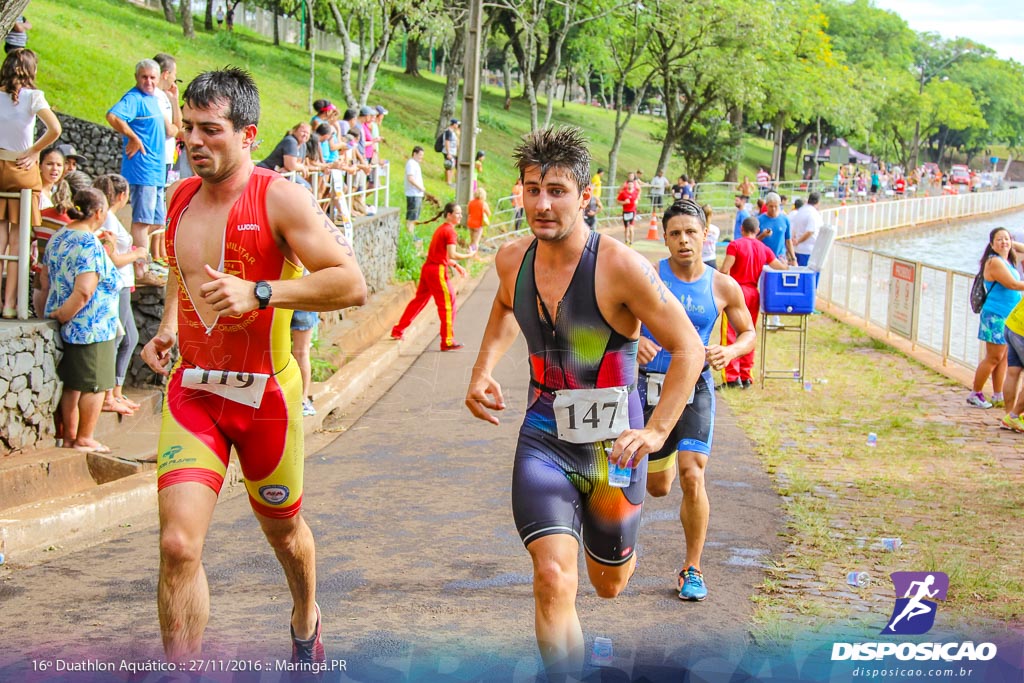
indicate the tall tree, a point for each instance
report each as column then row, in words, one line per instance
column 185, row 8
column 168, row 6
column 10, row 10
column 208, row 16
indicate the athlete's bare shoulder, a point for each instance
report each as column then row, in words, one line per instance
column 510, row 255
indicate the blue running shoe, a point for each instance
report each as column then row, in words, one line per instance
column 691, row 585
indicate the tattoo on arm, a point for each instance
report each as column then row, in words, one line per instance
column 653, row 278
column 330, row 227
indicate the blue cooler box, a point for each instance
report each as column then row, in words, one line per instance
column 787, row 291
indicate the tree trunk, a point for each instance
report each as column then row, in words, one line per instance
column 346, row 62
column 277, row 29
column 379, row 52
column 568, row 85
column 168, row 6
column 732, row 174
column 454, row 66
column 412, row 57
column 506, row 68
column 778, row 153
column 800, row 155
column 587, row 73
column 185, row 7
column 208, row 16
column 362, row 53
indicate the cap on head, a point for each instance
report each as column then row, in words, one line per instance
column 381, row 110
column 453, row 122
column 69, row 152
column 366, row 111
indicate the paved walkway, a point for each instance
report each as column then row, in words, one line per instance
column 421, row 572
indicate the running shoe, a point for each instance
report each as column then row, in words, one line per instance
column 977, row 399
column 1014, row 424
column 997, row 402
column 691, row 585
column 454, row 346
column 307, row 408
column 309, row 651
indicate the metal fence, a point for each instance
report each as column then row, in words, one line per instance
column 858, row 280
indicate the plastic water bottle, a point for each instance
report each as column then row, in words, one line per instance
column 858, row 579
column 872, row 439
column 601, row 655
column 619, row 477
column 808, row 385
column 892, row 544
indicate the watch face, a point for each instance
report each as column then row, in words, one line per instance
column 263, row 291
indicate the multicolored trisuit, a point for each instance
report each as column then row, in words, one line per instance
column 560, row 487
column 695, row 427
column 199, row 428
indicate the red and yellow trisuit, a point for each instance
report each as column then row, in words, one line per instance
column 236, row 384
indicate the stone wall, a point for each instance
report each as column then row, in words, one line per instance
column 99, row 143
column 148, row 307
column 29, row 387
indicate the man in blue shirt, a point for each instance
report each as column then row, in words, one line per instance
column 742, row 213
column 139, row 118
column 775, row 229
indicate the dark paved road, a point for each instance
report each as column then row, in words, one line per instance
column 421, row 573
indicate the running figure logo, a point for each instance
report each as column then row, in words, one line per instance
column 914, row 613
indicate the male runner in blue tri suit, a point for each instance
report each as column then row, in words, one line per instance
column 579, row 299
column 704, row 293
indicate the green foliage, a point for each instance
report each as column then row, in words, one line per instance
column 321, row 370
column 410, row 258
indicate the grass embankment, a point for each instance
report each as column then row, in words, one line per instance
column 932, row 480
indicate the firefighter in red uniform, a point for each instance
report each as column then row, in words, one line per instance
column 435, row 281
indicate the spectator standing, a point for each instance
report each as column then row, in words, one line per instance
column 435, row 281
column 659, row 183
column 167, row 92
column 83, row 298
column 806, row 225
column 517, row 203
column 478, row 216
column 746, row 188
column 999, row 270
column 20, row 103
column 17, row 37
column 597, row 183
column 741, row 202
column 220, row 16
column 688, row 189
column 139, row 118
column 450, row 150
column 303, row 327
column 123, row 253
column 764, row 181
column 745, row 258
column 776, row 231
column 709, row 252
column 415, row 190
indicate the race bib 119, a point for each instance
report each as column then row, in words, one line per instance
column 241, row 387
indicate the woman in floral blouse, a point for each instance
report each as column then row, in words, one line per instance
column 83, row 298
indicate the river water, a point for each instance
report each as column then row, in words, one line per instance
column 957, row 245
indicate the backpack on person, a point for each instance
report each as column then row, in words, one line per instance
column 979, row 292
column 439, row 142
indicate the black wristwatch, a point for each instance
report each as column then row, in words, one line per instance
column 263, row 293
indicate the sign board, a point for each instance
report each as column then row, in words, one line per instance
column 839, row 154
column 902, row 286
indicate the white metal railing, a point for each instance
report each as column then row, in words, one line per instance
column 857, row 280
column 370, row 196
column 22, row 250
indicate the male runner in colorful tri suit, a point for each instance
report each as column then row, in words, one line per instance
column 234, row 239
column 704, row 292
column 578, row 299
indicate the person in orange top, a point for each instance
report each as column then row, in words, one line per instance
column 434, row 279
column 479, row 216
column 517, row 202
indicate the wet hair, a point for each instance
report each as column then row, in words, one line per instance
column 990, row 252
column 685, row 207
column 87, row 201
column 445, row 210
column 164, row 61
column 78, row 180
column 112, row 185
column 750, row 226
column 18, row 71
column 231, row 86
column 563, row 147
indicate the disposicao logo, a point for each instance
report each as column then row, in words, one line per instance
column 914, row 614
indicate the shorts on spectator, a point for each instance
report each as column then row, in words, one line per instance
column 14, row 179
column 656, row 200
column 413, row 205
column 991, row 327
column 88, row 367
column 304, row 320
column 147, row 204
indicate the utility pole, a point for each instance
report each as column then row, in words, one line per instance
column 470, row 103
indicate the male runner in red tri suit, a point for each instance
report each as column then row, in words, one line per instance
column 234, row 239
